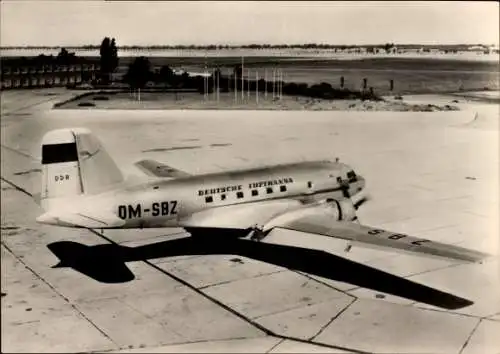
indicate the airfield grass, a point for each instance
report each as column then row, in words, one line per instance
column 186, row 100
column 410, row 75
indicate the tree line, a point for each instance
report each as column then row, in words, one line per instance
column 462, row 46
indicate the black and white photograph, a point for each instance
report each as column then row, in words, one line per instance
column 250, row 176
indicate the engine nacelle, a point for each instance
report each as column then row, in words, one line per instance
column 344, row 209
column 338, row 210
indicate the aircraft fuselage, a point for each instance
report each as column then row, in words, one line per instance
column 166, row 203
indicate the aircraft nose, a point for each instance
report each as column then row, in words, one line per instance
column 359, row 193
column 360, row 184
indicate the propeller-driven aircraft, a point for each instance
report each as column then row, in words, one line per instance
column 82, row 187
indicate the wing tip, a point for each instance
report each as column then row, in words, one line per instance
column 481, row 257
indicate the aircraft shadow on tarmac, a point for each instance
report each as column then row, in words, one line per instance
column 106, row 263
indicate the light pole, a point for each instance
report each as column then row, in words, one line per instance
column 256, row 87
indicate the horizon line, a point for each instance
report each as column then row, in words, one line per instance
column 235, row 46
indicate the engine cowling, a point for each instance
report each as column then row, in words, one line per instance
column 344, row 209
column 339, row 210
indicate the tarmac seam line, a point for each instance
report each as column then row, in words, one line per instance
column 418, row 273
column 52, row 98
column 172, row 344
column 241, row 279
column 170, row 260
column 300, row 306
column 20, row 323
column 149, row 317
column 20, row 189
column 19, row 152
column 274, row 346
column 451, row 312
column 470, row 336
column 435, row 269
column 333, row 319
column 345, row 292
column 491, row 319
column 60, row 295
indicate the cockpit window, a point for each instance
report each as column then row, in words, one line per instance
column 351, row 176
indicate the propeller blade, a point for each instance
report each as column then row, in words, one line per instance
column 361, row 202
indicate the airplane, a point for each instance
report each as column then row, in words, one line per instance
column 82, row 187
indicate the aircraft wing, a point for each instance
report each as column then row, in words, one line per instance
column 158, row 169
column 81, row 219
column 366, row 236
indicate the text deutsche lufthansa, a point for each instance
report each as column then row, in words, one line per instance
column 238, row 187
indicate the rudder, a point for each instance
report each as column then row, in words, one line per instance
column 74, row 162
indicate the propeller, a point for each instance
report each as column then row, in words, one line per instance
column 344, row 185
column 360, row 202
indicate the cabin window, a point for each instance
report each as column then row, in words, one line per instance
column 255, row 193
column 309, row 184
column 222, row 197
column 339, row 180
column 209, row 199
column 282, row 188
column 239, row 195
column 155, row 187
column 269, row 190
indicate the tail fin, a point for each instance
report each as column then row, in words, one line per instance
column 75, row 163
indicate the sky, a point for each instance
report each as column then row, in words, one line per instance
column 74, row 22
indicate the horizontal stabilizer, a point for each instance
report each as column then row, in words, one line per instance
column 85, row 220
column 158, row 169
